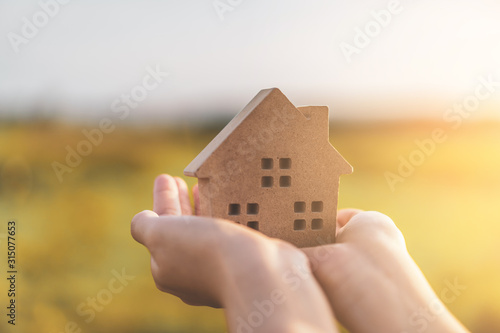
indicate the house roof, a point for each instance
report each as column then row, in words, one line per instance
column 198, row 161
column 195, row 165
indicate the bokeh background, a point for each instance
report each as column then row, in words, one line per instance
column 392, row 73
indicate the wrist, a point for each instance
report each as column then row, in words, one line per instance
column 272, row 289
column 435, row 318
column 253, row 269
column 425, row 312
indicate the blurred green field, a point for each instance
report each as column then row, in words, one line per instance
column 73, row 234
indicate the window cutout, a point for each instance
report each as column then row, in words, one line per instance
column 267, row 163
column 253, row 224
column 299, row 224
column 317, row 206
column 299, row 207
column 317, row 224
column 285, row 163
column 267, row 181
column 234, row 209
column 285, row 181
column 252, row 208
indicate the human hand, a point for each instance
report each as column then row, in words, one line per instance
column 207, row 261
column 371, row 281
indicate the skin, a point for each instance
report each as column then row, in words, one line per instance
column 372, row 282
column 211, row 262
column 367, row 278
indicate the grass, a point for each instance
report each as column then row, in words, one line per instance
column 72, row 235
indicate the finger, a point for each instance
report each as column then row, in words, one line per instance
column 309, row 252
column 196, row 196
column 370, row 226
column 344, row 215
column 166, row 196
column 141, row 225
column 318, row 255
column 184, row 196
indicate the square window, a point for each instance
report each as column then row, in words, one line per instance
column 285, row 163
column 267, row 181
column 253, row 224
column 299, row 207
column 317, row 224
column 285, row 181
column 267, row 163
column 234, row 209
column 299, row 225
column 317, row 206
column 252, row 209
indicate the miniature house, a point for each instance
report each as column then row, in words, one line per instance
column 273, row 169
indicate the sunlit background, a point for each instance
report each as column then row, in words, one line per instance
column 392, row 72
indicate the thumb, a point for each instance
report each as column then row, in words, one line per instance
column 141, row 225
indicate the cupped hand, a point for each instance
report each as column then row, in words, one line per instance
column 371, row 281
column 189, row 254
column 214, row 262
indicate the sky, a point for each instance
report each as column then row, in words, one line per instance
column 365, row 59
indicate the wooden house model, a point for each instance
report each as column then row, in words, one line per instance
column 273, row 169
